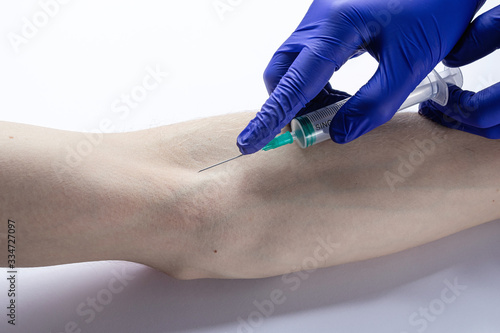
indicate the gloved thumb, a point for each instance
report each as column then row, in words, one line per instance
column 376, row 102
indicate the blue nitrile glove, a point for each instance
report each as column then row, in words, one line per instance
column 477, row 113
column 408, row 38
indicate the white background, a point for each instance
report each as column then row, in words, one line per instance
column 72, row 73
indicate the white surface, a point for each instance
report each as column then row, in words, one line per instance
column 72, row 73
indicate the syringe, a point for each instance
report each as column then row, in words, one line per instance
column 314, row 127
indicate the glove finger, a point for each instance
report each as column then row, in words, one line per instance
column 305, row 78
column 376, row 102
column 277, row 68
column 480, row 39
column 285, row 56
column 481, row 110
column 431, row 112
column 279, row 65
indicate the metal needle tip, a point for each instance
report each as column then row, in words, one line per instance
column 210, row 167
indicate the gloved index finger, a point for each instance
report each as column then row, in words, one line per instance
column 305, row 78
column 277, row 68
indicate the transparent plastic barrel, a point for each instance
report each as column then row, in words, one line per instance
column 315, row 127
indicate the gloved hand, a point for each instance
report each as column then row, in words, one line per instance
column 477, row 113
column 408, row 38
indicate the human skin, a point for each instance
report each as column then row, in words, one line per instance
column 138, row 196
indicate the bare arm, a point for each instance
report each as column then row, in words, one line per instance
column 138, row 196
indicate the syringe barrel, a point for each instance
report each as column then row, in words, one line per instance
column 314, row 127
column 423, row 92
column 435, row 87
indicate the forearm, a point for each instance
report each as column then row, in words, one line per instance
column 139, row 197
column 270, row 211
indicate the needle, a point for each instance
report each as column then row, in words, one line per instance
column 220, row 163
